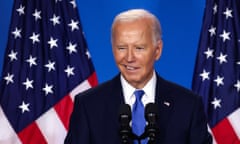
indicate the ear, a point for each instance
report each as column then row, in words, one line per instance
column 159, row 47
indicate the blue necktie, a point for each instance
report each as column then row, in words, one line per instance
column 138, row 119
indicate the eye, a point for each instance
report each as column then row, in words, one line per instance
column 139, row 48
column 121, row 48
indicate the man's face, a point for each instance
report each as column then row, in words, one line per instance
column 135, row 52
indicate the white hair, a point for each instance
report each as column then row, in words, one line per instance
column 138, row 14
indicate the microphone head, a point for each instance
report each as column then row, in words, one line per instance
column 125, row 114
column 151, row 115
column 151, row 112
column 124, row 120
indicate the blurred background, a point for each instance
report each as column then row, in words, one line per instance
column 181, row 23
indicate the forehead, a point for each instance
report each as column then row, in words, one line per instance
column 132, row 33
column 139, row 25
column 141, row 20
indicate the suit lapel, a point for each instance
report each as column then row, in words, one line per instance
column 112, row 101
column 116, row 91
column 165, row 104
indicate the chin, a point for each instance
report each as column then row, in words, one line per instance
column 133, row 80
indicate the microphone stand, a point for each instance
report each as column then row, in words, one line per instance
column 150, row 133
column 138, row 138
column 151, row 129
column 126, row 134
column 139, row 141
column 130, row 135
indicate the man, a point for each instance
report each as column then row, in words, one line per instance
column 137, row 45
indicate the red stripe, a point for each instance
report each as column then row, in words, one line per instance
column 32, row 135
column 224, row 133
column 65, row 106
column 93, row 79
column 64, row 109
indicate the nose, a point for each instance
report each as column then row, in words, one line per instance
column 130, row 55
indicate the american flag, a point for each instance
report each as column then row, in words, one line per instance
column 217, row 70
column 46, row 64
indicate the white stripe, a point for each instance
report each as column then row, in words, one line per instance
column 234, row 119
column 210, row 131
column 214, row 141
column 7, row 134
column 51, row 127
column 80, row 88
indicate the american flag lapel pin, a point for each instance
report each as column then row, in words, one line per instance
column 166, row 103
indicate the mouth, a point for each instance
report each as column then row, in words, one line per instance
column 130, row 68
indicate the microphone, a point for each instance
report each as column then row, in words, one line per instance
column 124, row 119
column 151, row 115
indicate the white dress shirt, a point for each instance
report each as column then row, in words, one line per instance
column 149, row 89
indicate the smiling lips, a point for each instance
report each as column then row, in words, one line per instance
column 130, row 67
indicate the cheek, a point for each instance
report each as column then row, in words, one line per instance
column 118, row 57
column 149, row 62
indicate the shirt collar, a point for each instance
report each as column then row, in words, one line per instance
column 149, row 89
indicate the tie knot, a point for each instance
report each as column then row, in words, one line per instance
column 138, row 94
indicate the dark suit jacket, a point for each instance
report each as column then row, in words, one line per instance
column 95, row 116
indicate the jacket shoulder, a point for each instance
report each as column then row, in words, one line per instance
column 100, row 90
column 176, row 91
